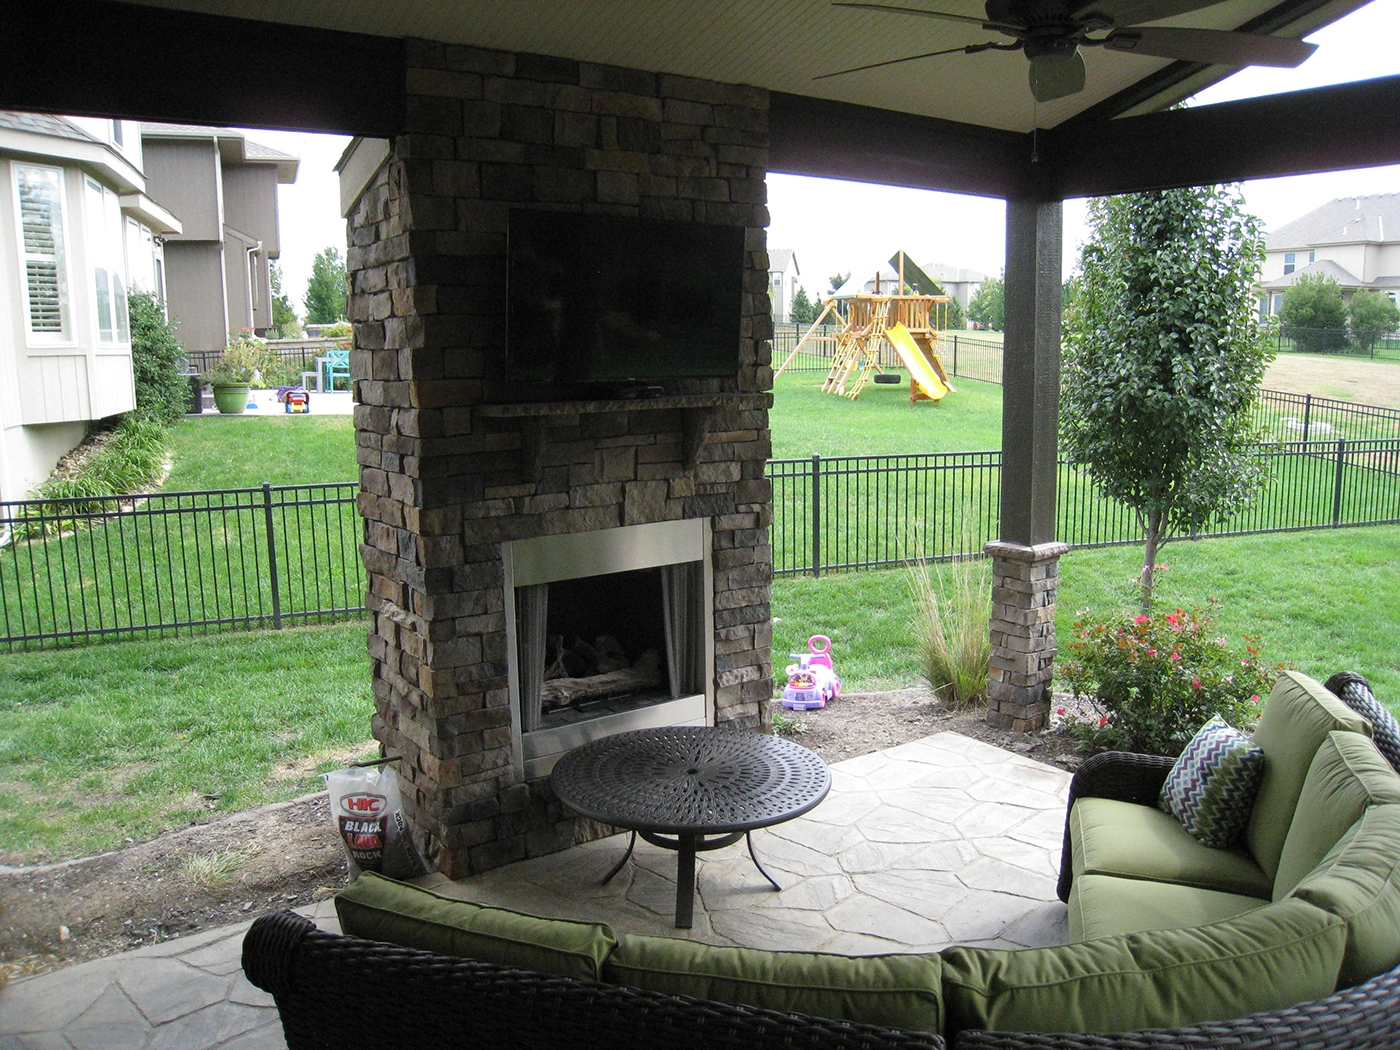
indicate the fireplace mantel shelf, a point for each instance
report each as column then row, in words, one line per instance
column 697, row 412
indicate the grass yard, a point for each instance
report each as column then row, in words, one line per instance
column 1323, row 601
column 235, row 452
column 111, row 742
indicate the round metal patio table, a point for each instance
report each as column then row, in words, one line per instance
column 690, row 789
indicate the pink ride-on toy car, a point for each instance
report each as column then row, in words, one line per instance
column 812, row 682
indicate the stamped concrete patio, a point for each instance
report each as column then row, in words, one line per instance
column 942, row 840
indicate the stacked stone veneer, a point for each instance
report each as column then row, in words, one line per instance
column 1024, row 584
column 447, row 475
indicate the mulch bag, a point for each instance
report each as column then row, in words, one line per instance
column 368, row 817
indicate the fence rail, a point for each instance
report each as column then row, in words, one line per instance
column 117, row 568
column 877, row 511
column 84, row 570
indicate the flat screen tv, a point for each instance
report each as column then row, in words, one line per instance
column 608, row 302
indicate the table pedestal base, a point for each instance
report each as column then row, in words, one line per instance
column 686, row 846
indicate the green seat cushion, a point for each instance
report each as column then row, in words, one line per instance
column 1359, row 880
column 1110, row 837
column 1265, row 959
column 380, row 909
column 1296, row 720
column 1348, row 773
column 1211, row 787
column 895, row 991
column 1104, row 906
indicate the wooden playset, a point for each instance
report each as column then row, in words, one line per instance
column 908, row 324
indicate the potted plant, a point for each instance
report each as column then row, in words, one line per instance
column 239, row 367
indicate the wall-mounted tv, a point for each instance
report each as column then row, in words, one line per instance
column 599, row 301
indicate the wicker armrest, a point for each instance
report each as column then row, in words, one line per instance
column 335, row 992
column 1366, row 1017
column 1119, row 775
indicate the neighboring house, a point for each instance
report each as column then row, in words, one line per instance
column 960, row 283
column 782, row 282
column 1353, row 240
column 77, row 230
column 224, row 188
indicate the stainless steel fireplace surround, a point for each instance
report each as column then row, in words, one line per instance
column 681, row 549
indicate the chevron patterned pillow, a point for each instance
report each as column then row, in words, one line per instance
column 1212, row 786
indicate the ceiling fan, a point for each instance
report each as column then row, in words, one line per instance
column 1051, row 32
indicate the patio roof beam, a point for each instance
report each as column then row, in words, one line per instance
column 104, row 59
column 1322, row 129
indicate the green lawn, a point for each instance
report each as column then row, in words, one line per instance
column 110, row 742
column 1323, row 601
column 235, row 452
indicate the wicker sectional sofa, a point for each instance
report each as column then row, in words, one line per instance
column 1289, row 940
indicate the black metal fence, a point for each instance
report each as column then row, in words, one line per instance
column 1356, row 342
column 182, row 561
column 877, row 511
column 298, row 355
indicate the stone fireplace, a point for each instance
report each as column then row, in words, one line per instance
column 497, row 519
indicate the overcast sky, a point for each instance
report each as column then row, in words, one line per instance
column 836, row 227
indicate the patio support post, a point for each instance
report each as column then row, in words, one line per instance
column 1025, row 558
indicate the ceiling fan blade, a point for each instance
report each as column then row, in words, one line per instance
column 1210, row 45
column 969, row 49
column 1055, row 76
column 946, row 16
column 1133, row 12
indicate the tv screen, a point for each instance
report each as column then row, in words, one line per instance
column 608, row 299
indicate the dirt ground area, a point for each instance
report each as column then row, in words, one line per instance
column 287, row 855
column 1345, row 378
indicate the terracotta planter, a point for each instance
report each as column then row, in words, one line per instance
column 231, row 398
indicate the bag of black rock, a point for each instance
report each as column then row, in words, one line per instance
column 369, row 819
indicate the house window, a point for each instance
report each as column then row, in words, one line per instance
column 104, row 229
column 39, row 203
column 1290, row 262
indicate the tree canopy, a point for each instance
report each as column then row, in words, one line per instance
column 284, row 318
column 988, row 306
column 325, row 291
column 802, row 312
column 1163, row 359
column 1372, row 313
column 1313, row 306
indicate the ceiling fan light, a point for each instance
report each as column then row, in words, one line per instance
column 1056, row 75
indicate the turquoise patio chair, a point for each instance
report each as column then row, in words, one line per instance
column 335, row 364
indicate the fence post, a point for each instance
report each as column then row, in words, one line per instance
column 816, row 515
column 955, row 356
column 272, row 556
column 1337, row 484
column 1307, row 417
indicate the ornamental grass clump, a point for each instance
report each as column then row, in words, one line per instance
column 1157, row 677
column 952, row 610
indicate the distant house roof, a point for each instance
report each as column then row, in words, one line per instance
column 779, row 259
column 1346, row 220
column 1322, row 268
column 234, row 146
column 43, row 124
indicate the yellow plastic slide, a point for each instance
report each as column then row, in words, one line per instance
column 915, row 361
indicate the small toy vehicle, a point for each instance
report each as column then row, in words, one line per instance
column 810, row 685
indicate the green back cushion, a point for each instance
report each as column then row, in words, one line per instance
column 1211, row 787
column 1297, row 718
column 1347, row 774
column 380, row 909
column 1359, row 880
column 1265, row 959
column 895, row 991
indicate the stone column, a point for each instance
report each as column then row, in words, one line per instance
column 1024, row 581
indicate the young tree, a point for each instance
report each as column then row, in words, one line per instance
column 1372, row 314
column 988, row 306
column 802, row 312
column 1313, row 306
column 325, row 291
column 1163, row 359
column 836, row 280
column 284, row 318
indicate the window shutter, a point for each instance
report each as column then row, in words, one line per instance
column 41, row 222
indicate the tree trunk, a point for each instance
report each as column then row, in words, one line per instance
column 1152, row 530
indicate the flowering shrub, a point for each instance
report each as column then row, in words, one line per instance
column 247, row 359
column 1157, row 678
